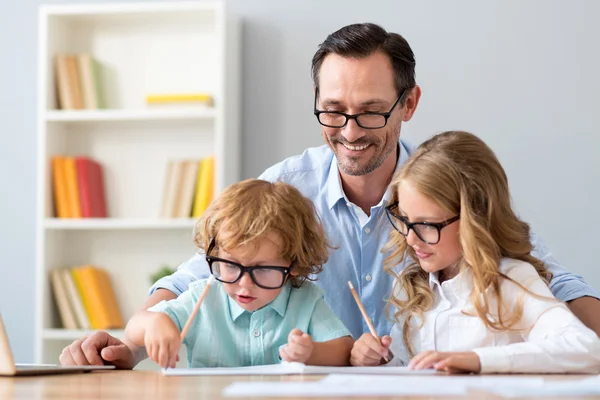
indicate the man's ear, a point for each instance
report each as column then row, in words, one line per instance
column 412, row 101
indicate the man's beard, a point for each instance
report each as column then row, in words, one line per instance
column 350, row 165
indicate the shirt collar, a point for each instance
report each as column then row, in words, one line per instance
column 279, row 304
column 460, row 284
column 335, row 192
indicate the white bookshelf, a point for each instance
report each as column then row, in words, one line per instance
column 144, row 48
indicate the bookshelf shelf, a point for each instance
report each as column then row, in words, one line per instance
column 141, row 49
column 72, row 334
column 118, row 223
column 131, row 115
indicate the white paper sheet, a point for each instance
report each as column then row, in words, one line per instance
column 565, row 388
column 296, row 369
column 317, row 389
column 374, row 385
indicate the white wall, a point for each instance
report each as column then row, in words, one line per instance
column 521, row 74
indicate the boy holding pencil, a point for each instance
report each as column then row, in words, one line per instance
column 263, row 241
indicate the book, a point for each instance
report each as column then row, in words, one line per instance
column 188, row 186
column 59, row 185
column 61, row 297
column 203, row 98
column 91, row 188
column 172, row 189
column 64, row 93
column 74, row 299
column 89, row 69
column 74, row 82
column 72, row 187
column 98, row 297
column 205, row 188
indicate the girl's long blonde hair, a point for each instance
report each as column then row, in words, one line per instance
column 458, row 171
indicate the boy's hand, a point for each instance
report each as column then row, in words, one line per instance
column 452, row 362
column 162, row 341
column 368, row 352
column 299, row 347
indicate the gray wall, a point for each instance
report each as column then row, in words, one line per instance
column 521, row 74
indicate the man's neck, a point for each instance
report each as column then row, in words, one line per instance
column 367, row 191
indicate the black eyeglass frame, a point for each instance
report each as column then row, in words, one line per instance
column 386, row 115
column 248, row 269
column 409, row 225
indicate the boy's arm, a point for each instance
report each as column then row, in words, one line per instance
column 137, row 325
column 334, row 352
column 332, row 341
column 570, row 288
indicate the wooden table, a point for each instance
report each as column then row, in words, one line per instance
column 141, row 385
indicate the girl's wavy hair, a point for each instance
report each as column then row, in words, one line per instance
column 458, row 171
column 248, row 211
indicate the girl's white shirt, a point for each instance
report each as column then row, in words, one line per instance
column 547, row 339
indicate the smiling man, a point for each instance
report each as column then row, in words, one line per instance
column 364, row 85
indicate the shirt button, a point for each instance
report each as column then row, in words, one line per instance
column 256, row 333
column 368, row 278
column 367, row 230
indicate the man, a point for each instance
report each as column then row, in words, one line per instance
column 364, row 84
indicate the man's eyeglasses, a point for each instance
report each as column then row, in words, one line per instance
column 264, row 276
column 428, row 232
column 366, row 120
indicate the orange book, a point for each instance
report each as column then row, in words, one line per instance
column 72, row 187
column 61, row 199
column 98, row 297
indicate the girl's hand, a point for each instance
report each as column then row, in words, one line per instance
column 162, row 341
column 299, row 347
column 368, row 352
column 451, row 362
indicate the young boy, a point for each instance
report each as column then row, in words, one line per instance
column 262, row 241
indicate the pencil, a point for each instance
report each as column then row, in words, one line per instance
column 188, row 324
column 365, row 315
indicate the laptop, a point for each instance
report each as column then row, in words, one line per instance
column 9, row 368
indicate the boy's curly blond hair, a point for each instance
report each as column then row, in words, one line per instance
column 248, row 211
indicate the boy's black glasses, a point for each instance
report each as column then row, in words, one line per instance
column 428, row 232
column 264, row 276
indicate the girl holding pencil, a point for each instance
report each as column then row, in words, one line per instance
column 262, row 242
column 473, row 298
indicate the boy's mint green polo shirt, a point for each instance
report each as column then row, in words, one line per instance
column 225, row 335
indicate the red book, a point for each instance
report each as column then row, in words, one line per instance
column 91, row 188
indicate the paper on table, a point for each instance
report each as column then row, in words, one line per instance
column 297, row 369
column 567, row 388
column 306, row 389
column 361, row 385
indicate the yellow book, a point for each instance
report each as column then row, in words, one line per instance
column 179, row 98
column 61, row 199
column 205, row 187
column 98, row 297
column 72, row 187
column 80, row 285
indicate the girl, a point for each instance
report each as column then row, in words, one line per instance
column 262, row 241
column 473, row 298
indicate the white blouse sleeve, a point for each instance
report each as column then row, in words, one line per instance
column 555, row 341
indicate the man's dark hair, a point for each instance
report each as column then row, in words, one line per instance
column 362, row 40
